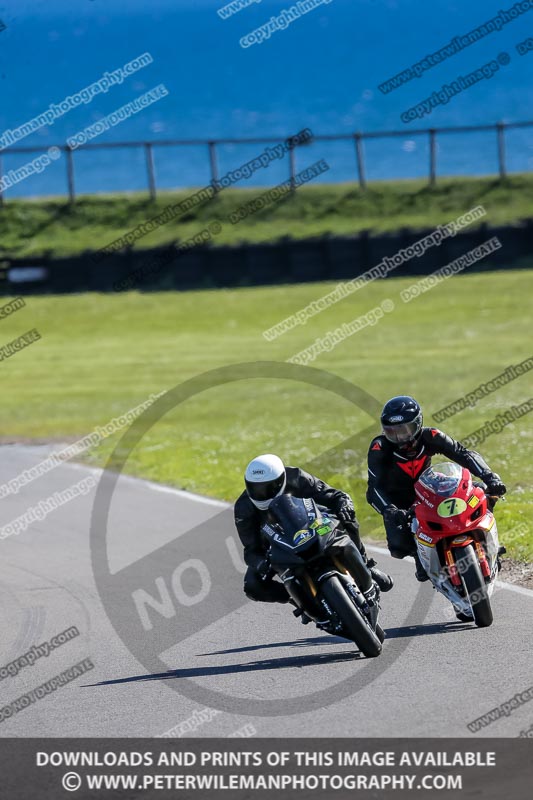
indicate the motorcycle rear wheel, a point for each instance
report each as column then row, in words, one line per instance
column 352, row 621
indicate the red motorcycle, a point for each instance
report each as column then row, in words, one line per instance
column 457, row 539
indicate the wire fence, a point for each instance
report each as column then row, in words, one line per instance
column 211, row 151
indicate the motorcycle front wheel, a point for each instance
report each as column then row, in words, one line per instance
column 352, row 620
column 470, row 572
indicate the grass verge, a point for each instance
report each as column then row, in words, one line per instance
column 39, row 227
column 101, row 355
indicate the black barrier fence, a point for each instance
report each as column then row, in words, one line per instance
column 295, row 769
column 287, row 261
column 212, row 148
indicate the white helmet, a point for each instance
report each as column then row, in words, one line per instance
column 265, row 479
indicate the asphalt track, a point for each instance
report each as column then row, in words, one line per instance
column 269, row 672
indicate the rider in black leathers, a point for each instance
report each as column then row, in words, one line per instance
column 397, row 458
column 251, row 509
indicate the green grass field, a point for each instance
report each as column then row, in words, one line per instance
column 38, row 227
column 101, row 355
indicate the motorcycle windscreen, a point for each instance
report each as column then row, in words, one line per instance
column 442, row 479
column 293, row 513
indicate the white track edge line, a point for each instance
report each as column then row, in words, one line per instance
column 157, row 487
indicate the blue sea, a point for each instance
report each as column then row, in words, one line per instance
column 321, row 72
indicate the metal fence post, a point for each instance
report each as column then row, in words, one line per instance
column 149, row 153
column 358, row 137
column 500, row 128
column 213, row 164
column 360, row 159
column 70, row 175
column 292, row 166
column 432, row 157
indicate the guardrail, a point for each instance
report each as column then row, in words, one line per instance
column 211, row 145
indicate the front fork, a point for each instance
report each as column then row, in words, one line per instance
column 453, row 572
column 302, row 591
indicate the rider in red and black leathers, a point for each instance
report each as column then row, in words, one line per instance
column 397, row 458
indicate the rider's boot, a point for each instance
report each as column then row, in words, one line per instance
column 420, row 573
column 384, row 581
column 461, row 616
column 304, row 619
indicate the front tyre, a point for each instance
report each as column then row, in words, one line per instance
column 353, row 623
column 470, row 572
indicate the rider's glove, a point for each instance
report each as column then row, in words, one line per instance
column 397, row 516
column 346, row 514
column 389, row 513
column 495, row 485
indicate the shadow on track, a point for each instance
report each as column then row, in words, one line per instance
column 296, row 643
column 289, row 662
column 431, row 629
column 390, row 633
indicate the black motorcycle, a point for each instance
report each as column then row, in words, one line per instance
column 304, row 544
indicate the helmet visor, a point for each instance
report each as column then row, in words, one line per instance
column 265, row 490
column 400, row 434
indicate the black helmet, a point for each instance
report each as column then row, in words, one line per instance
column 401, row 419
